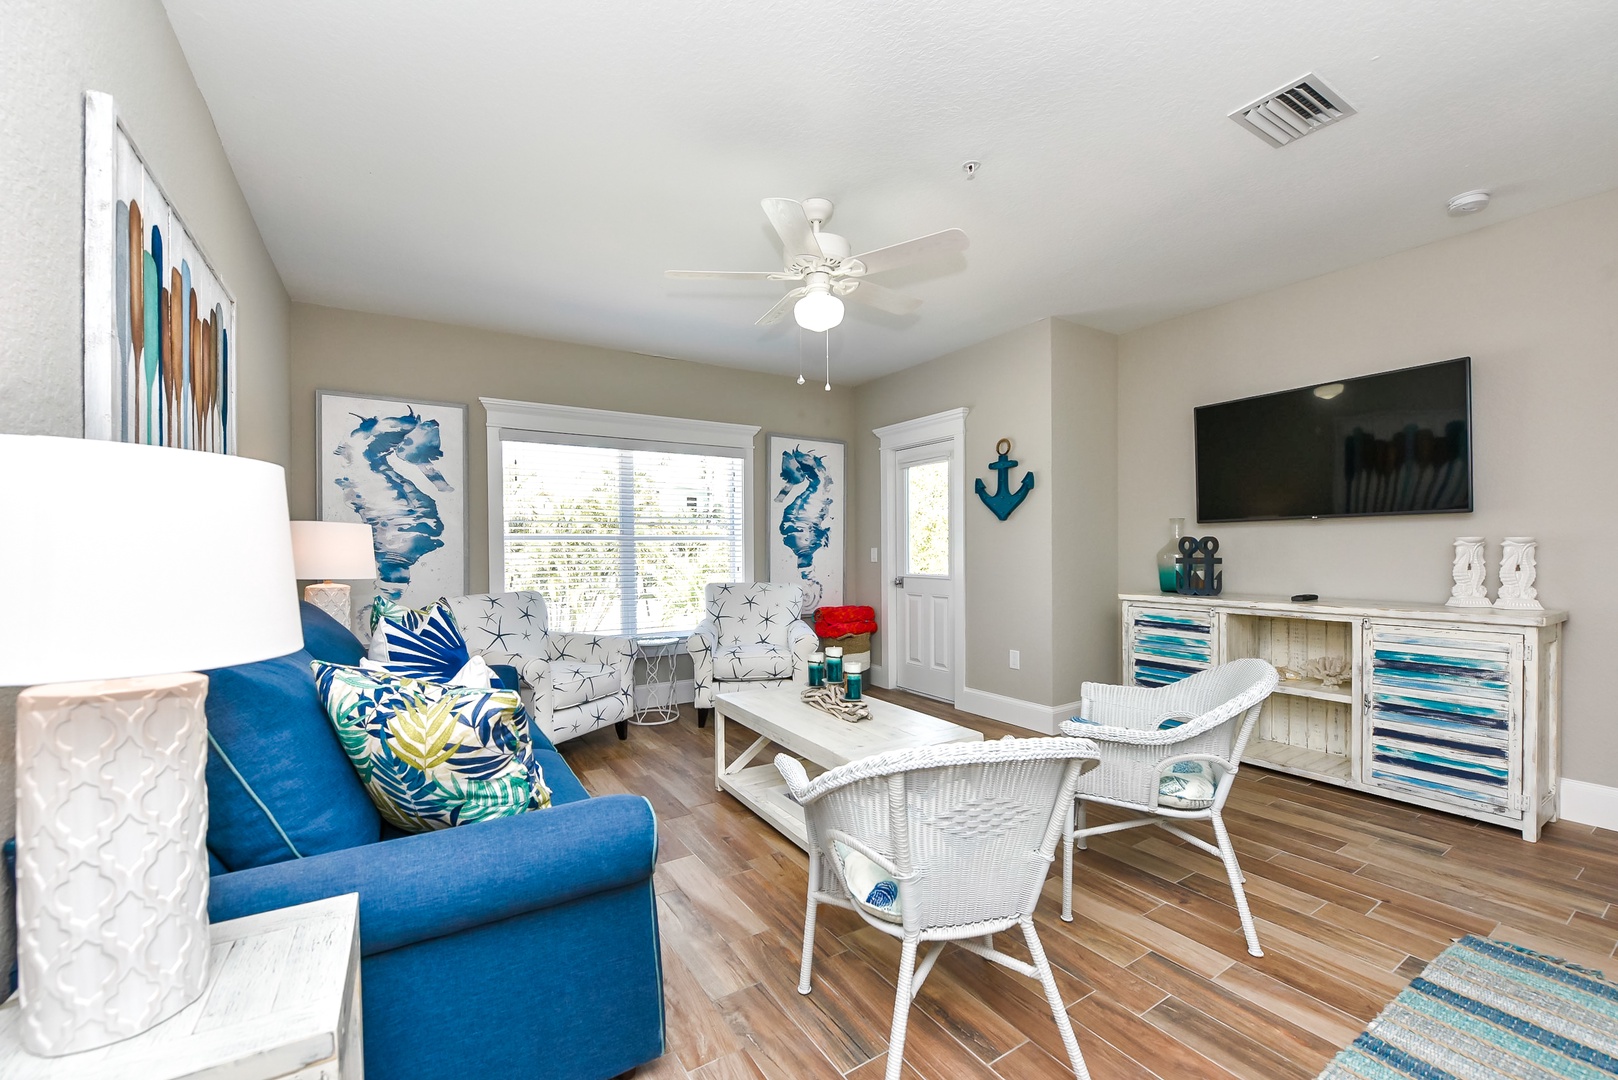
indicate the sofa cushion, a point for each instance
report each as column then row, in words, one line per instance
column 574, row 683
column 423, row 643
column 324, row 638
column 733, row 663
column 565, row 787
column 279, row 785
column 433, row 756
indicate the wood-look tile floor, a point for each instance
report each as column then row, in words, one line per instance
column 1353, row 895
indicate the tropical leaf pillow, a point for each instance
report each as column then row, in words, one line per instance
column 433, row 756
column 424, row 643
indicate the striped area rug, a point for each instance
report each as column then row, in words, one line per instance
column 1488, row 1010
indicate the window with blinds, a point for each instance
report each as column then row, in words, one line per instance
column 621, row 537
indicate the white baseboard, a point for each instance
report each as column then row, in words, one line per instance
column 1062, row 713
column 1589, row 804
column 685, row 692
column 1007, row 710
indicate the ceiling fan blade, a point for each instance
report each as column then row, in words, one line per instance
column 871, row 294
column 782, row 306
column 790, row 221
column 911, row 251
column 732, row 275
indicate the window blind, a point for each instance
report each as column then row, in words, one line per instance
column 621, row 538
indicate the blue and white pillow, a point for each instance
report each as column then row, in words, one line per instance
column 872, row 887
column 475, row 673
column 423, row 643
column 1188, row 785
column 433, row 756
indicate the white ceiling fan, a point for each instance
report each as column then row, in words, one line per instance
column 822, row 262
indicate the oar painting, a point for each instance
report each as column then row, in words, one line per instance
column 159, row 325
column 807, row 512
column 399, row 466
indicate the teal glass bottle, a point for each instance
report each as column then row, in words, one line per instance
column 1168, row 572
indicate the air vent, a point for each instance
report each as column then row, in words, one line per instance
column 1293, row 111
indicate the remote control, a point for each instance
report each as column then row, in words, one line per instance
column 1305, row 596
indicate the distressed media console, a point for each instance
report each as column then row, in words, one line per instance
column 1455, row 709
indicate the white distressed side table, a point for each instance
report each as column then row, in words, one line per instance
column 659, row 655
column 282, row 1003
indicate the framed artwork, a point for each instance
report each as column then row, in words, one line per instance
column 159, row 324
column 398, row 465
column 806, row 515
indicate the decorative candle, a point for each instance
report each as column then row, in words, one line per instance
column 855, row 675
column 834, row 664
column 817, row 669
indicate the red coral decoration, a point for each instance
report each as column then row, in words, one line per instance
column 834, row 622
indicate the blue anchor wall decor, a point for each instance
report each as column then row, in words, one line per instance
column 1004, row 500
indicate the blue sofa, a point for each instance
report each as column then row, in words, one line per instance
column 521, row 947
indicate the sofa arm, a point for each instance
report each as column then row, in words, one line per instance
column 701, row 645
column 802, row 641
column 431, row 885
column 618, row 653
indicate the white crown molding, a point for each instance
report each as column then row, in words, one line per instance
column 573, row 420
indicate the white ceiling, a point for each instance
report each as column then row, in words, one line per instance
column 535, row 166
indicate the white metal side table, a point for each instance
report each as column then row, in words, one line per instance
column 282, row 1003
column 659, row 654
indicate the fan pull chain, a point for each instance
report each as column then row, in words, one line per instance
column 828, row 361
column 800, row 356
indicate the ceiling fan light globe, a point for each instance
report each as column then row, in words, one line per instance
column 818, row 312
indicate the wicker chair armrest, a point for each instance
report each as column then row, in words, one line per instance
column 791, row 770
column 1149, row 736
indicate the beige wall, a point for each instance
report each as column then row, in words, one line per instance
column 1534, row 302
column 1084, row 498
column 51, row 52
column 1005, row 383
column 334, row 349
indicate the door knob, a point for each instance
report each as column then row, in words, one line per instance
column 899, row 582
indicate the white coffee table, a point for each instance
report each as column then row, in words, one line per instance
column 778, row 716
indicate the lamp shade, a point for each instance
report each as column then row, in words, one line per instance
column 332, row 549
column 118, row 560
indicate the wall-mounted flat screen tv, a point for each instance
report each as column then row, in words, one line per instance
column 1398, row 442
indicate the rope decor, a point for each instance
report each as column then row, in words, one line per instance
column 829, row 699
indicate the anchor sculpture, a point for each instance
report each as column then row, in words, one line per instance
column 1004, row 500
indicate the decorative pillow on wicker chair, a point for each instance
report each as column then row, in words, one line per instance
column 872, row 887
column 433, row 756
column 424, row 643
column 1188, row 785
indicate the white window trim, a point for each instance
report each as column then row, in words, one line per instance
column 529, row 417
column 949, row 426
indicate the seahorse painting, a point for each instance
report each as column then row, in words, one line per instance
column 810, row 523
column 404, row 519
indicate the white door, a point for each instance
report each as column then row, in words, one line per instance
column 925, row 642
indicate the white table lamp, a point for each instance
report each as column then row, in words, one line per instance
column 323, row 550
column 132, row 566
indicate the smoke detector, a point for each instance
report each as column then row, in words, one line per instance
column 1299, row 108
column 1468, row 202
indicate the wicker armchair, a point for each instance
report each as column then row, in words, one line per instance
column 958, row 840
column 1196, row 727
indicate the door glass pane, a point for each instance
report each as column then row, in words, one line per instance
column 927, row 519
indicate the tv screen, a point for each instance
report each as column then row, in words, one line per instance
column 1398, row 442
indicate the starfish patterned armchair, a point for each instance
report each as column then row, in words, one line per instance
column 572, row 683
column 754, row 637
